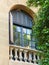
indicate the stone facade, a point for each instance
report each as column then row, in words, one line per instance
column 5, row 7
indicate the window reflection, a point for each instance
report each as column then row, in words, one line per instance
column 29, row 43
column 16, row 35
column 24, row 30
column 22, row 36
column 17, row 38
column 14, row 28
column 28, row 31
column 28, row 37
column 18, row 29
column 25, row 43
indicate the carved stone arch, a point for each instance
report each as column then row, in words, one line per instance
column 24, row 8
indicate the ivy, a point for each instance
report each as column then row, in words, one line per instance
column 41, row 28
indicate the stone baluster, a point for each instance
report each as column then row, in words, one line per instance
column 16, row 56
column 34, row 57
column 30, row 57
column 38, row 57
column 11, row 56
column 20, row 54
column 25, row 55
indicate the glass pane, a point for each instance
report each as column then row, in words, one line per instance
column 14, row 17
column 24, row 39
column 14, row 36
column 25, row 43
column 18, row 18
column 28, row 37
column 21, row 18
column 14, row 33
column 33, row 44
column 18, row 29
column 17, row 38
column 28, row 31
column 14, row 28
column 31, row 23
column 29, row 43
column 24, row 19
column 24, row 30
column 24, row 36
column 28, row 21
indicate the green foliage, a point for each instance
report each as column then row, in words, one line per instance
column 41, row 28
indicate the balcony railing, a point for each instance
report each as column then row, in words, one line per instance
column 18, row 53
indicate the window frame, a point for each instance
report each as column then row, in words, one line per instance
column 11, row 28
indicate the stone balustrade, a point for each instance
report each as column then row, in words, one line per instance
column 24, row 54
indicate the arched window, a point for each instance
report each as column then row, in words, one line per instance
column 22, row 28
